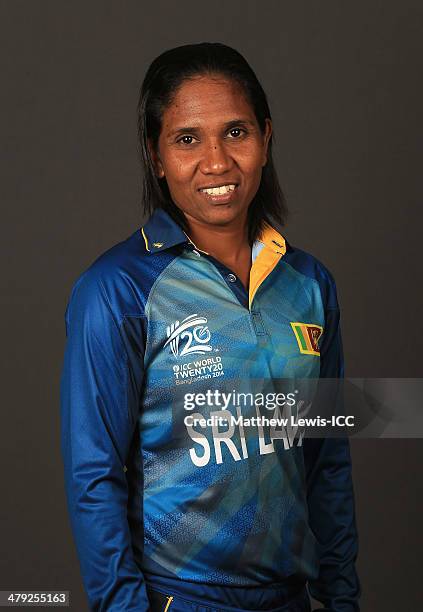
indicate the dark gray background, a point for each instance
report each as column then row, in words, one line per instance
column 344, row 81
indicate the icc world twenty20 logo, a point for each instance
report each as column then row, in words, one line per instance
column 196, row 333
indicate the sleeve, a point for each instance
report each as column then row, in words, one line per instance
column 330, row 495
column 97, row 427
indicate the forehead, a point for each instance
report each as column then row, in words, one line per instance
column 211, row 99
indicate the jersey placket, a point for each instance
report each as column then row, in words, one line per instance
column 263, row 265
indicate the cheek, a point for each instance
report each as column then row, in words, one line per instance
column 251, row 165
column 178, row 169
column 250, row 157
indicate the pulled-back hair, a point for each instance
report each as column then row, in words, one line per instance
column 161, row 83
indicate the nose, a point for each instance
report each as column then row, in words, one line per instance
column 215, row 158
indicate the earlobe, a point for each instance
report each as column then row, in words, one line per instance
column 157, row 164
column 267, row 135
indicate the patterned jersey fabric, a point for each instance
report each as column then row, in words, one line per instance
column 157, row 331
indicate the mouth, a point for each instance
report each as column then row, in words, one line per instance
column 220, row 194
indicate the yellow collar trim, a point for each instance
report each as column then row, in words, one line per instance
column 273, row 239
column 267, row 259
column 196, row 247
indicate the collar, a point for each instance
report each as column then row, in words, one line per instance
column 272, row 239
column 161, row 232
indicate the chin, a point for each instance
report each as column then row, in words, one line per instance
column 223, row 213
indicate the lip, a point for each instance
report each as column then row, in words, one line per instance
column 223, row 198
column 212, row 186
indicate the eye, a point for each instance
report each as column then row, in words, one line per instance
column 186, row 140
column 238, row 132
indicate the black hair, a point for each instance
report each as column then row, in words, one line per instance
column 161, row 82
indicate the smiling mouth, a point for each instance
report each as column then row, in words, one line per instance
column 222, row 194
column 219, row 190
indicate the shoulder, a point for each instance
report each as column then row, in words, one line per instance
column 106, row 283
column 309, row 266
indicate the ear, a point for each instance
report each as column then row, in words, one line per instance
column 158, row 166
column 266, row 138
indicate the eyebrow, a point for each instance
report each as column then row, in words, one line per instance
column 226, row 126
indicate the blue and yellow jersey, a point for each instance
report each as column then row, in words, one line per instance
column 153, row 498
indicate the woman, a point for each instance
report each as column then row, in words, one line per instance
column 208, row 296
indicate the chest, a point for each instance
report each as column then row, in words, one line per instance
column 201, row 321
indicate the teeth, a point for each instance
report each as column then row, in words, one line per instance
column 219, row 190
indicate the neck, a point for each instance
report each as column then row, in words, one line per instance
column 224, row 242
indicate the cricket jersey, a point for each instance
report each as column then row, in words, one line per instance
column 236, row 517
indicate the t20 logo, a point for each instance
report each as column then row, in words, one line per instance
column 195, row 331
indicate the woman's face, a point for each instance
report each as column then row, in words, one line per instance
column 210, row 138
